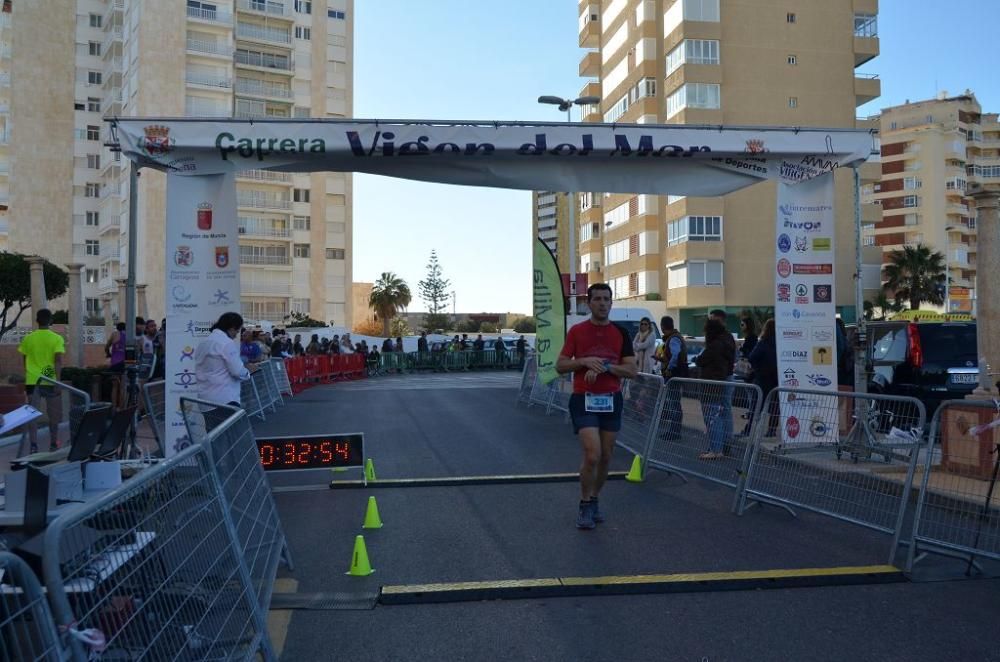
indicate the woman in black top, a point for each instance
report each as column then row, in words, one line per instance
column 764, row 359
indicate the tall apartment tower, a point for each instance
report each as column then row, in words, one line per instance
column 550, row 223
column 228, row 58
column 931, row 152
column 734, row 62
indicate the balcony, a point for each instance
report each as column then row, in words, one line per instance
column 209, row 15
column 952, row 208
column 110, row 254
column 5, row 20
column 260, row 88
column 5, row 51
column 275, row 63
column 590, row 65
column 106, row 285
column 590, row 28
column 81, row 251
column 263, row 227
column 265, row 260
column 5, row 79
column 199, row 108
column 251, row 288
column 258, row 33
column 210, row 47
column 114, row 37
column 866, row 88
column 269, row 8
column 255, row 200
column 219, row 82
column 264, row 176
column 112, row 190
column 109, row 223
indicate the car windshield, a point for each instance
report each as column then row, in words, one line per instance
column 948, row 343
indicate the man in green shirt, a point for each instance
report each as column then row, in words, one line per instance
column 43, row 350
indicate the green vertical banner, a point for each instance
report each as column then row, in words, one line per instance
column 549, row 310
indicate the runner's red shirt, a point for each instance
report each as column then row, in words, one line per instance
column 607, row 342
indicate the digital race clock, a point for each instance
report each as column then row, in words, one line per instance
column 320, row 451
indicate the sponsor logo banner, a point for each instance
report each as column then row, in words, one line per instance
column 805, row 313
column 201, row 236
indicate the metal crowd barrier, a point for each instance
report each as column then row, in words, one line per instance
column 808, row 456
column 528, row 377
column 252, row 399
column 957, row 509
column 229, row 438
column 703, row 428
column 27, row 630
column 67, row 403
column 154, row 398
column 642, row 399
column 562, row 389
column 281, row 377
column 153, row 570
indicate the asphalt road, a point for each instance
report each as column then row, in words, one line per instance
column 423, row 426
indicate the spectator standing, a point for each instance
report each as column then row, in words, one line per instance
column 346, row 346
column 43, row 350
column 399, row 344
column 599, row 354
column 845, row 356
column 644, row 344
column 218, row 364
column 115, row 351
column 335, row 347
column 673, row 362
column 313, row 346
column 764, row 360
column 716, row 363
column 521, row 347
column 297, row 348
column 387, row 345
column 749, row 330
column 422, row 342
column 249, row 350
column 479, row 344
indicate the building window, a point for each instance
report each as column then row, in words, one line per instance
column 90, row 275
column 92, row 247
column 333, row 13
column 300, row 222
column 304, row 6
column 701, row 10
column 300, row 195
column 92, row 306
column 335, row 253
column 94, row 161
column 790, row 17
column 92, row 190
column 300, row 111
column 865, row 25
column 94, row 77
column 911, row 183
column 303, row 32
column 94, row 48
column 694, row 228
column 704, row 274
column 911, row 201
column 616, row 110
column 93, row 218
column 93, row 105
column 693, row 95
column 693, row 51
column 93, row 132
column 793, row 102
column 792, row 60
column 300, row 306
column 301, row 250
column 95, row 20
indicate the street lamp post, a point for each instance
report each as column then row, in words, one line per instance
column 567, row 105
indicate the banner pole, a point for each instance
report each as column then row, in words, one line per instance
column 133, row 244
column 860, row 336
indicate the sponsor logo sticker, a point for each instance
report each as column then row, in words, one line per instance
column 821, row 335
column 784, row 293
column 792, row 427
column 792, row 334
column 784, row 243
column 822, row 244
column 801, row 244
column 784, row 268
column 822, row 355
column 819, row 380
column 822, row 293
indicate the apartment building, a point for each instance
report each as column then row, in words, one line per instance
column 229, row 58
column 931, row 152
column 550, row 223
column 737, row 62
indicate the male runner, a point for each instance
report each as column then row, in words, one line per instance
column 599, row 354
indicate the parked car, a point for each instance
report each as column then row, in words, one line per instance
column 930, row 361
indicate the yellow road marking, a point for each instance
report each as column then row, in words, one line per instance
column 278, row 620
column 470, row 586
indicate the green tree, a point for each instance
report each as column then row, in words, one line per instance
column 15, row 287
column 525, row 325
column 399, row 328
column 488, row 327
column 297, row 320
column 434, row 292
column 389, row 295
column 758, row 314
column 883, row 304
column 467, row 326
column 916, row 273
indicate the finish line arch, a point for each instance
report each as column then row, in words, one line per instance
column 202, row 156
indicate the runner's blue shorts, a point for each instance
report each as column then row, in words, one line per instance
column 609, row 422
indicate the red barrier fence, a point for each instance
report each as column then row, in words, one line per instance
column 309, row 370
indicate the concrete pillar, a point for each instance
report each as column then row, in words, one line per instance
column 106, row 314
column 141, row 309
column 121, row 303
column 987, row 289
column 74, row 334
column 38, row 299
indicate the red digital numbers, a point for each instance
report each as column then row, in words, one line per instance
column 267, row 455
column 305, row 453
column 309, row 452
column 325, row 454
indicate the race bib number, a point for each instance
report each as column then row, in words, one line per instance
column 599, row 403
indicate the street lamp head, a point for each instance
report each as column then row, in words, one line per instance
column 587, row 101
column 555, row 101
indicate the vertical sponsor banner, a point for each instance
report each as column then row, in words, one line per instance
column 804, row 309
column 549, row 310
column 203, row 281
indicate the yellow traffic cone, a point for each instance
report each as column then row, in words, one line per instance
column 372, row 519
column 635, row 473
column 360, row 566
column 369, row 469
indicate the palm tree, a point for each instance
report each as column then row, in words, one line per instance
column 389, row 295
column 884, row 304
column 917, row 274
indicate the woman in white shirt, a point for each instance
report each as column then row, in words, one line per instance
column 217, row 365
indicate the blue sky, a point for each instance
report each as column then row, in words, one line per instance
column 477, row 60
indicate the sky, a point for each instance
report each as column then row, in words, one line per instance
column 478, row 60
